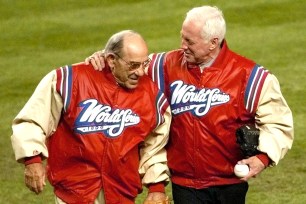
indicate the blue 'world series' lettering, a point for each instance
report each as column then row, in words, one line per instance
column 96, row 117
column 187, row 97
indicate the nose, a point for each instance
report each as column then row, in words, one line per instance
column 140, row 71
column 184, row 44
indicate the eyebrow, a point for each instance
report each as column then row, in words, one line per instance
column 190, row 41
column 139, row 62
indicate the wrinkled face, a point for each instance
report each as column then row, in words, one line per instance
column 128, row 68
column 196, row 49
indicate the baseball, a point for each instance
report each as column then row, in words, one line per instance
column 241, row 170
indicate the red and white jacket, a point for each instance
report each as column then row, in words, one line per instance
column 208, row 106
column 98, row 135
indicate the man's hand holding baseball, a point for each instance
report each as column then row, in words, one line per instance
column 256, row 167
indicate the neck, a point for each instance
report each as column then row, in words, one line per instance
column 210, row 57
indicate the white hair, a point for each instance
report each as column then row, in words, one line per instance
column 212, row 20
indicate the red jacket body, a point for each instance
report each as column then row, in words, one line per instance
column 96, row 143
column 207, row 108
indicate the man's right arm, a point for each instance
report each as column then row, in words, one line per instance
column 37, row 120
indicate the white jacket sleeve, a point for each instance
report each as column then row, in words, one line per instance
column 153, row 158
column 275, row 121
column 37, row 120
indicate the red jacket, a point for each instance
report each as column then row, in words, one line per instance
column 96, row 143
column 207, row 109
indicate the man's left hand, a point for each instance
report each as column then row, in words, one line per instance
column 256, row 167
column 157, row 198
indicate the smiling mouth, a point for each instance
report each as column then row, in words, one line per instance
column 134, row 77
column 134, row 80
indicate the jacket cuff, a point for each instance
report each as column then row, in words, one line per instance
column 156, row 187
column 264, row 159
column 31, row 160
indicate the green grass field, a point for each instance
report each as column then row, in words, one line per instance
column 37, row 36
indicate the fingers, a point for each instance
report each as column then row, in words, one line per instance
column 34, row 184
column 91, row 59
column 40, row 184
column 87, row 60
column 34, row 175
column 96, row 60
column 156, row 197
column 255, row 165
column 95, row 63
column 100, row 62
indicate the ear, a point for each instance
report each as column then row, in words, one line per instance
column 214, row 43
column 110, row 60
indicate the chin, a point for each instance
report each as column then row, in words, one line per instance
column 131, row 86
column 190, row 59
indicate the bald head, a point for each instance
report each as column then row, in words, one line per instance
column 126, row 54
column 134, row 47
column 126, row 42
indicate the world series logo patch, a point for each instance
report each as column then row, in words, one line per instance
column 96, row 117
